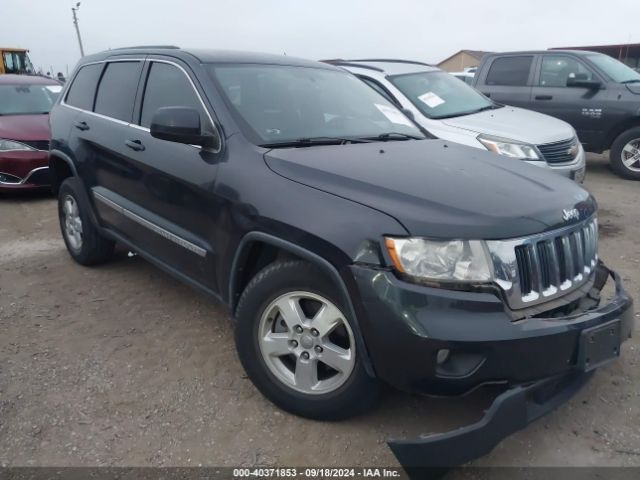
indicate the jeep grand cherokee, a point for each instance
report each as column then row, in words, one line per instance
column 350, row 249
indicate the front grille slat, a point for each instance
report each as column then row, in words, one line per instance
column 551, row 264
column 579, row 259
column 544, row 261
column 555, row 276
column 567, row 251
column 524, row 270
column 534, row 264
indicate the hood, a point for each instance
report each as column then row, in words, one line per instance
column 24, row 127
column 516, row 124
column 437, row 189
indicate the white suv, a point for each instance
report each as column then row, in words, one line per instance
column 452, row 110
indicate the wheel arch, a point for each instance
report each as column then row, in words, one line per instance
column 619, row 129
column 274, row 247
column 60, row 167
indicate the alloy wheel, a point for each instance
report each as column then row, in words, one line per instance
column 72, row 222
column 307, row 343
column 631, row 155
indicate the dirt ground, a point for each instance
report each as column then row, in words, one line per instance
column 122, row 365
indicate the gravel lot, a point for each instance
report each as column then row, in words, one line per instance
column 122, row 365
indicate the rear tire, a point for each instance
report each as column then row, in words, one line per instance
column 84, row 243
column 625, row 154
column 286, row 359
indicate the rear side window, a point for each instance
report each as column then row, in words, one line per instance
column 167, row 86
column 512, row 71
column 117, row 90
column 83, row 89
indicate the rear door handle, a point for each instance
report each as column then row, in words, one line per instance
column 544, row 97
column 81, row 126
column 134, row 145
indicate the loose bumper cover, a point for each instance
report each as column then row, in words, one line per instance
column 586, row 341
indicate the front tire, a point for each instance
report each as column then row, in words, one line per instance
column 84, row 243
column 625, row 154
column 297, row 344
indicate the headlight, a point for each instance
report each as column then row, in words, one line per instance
column 449, row 260
column 11, row 145
column 509, row 148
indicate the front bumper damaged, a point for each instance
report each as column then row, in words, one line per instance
column 511, row 411
column 597, row 341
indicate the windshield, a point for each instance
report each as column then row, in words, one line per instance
column 27, row 99
column 279, row 103
column 17, row 62
column 617, row 71
column 439, row 94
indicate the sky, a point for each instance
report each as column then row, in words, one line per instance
column 419, row 30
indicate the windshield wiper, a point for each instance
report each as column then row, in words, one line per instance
column 311, row 141
column 397, row 136
column 633, row 80
column 468, row 112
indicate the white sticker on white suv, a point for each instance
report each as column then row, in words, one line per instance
column 431, row 99
column 394, row 115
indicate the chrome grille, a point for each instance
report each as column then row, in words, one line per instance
column 560, row 152
column 537, row 269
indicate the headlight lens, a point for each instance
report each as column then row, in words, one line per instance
column 449, row 260
column 509, row 148
column 12, row 145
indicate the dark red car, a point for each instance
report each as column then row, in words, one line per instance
column 25, row 102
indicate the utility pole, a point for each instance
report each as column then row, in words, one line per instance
column 75, row 23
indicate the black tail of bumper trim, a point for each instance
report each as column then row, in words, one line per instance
column 510, row 411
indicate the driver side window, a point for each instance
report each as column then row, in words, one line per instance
column 557, row 69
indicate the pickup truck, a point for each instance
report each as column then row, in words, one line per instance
column 598, row 95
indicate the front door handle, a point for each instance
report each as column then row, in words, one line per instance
column 81, row 126
column 134, row 145
column 544, row 97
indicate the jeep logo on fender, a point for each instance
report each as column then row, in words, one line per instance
column 571, row 214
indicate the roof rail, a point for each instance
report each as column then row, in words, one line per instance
column 347, row 63
column 390, row 60
column 134, row 47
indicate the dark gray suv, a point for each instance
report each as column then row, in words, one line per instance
column 350, row 249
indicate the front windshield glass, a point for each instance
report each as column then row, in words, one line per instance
column 17, row 62
column 280, row 104
column 617, row 71
column 439, row 94
column 27, row 99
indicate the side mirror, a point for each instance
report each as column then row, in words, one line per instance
column 181, row 125
column 582, row 81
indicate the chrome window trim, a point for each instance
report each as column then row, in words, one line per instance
column 65, row 93
column 172, row 237
column 505, row 265
column 24, row 180
column 63, row 101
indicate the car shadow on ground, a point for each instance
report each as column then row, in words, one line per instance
column 25, row 196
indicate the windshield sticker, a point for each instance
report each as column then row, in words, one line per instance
column 431, row 99
column 54, row 88
column 394, row 115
